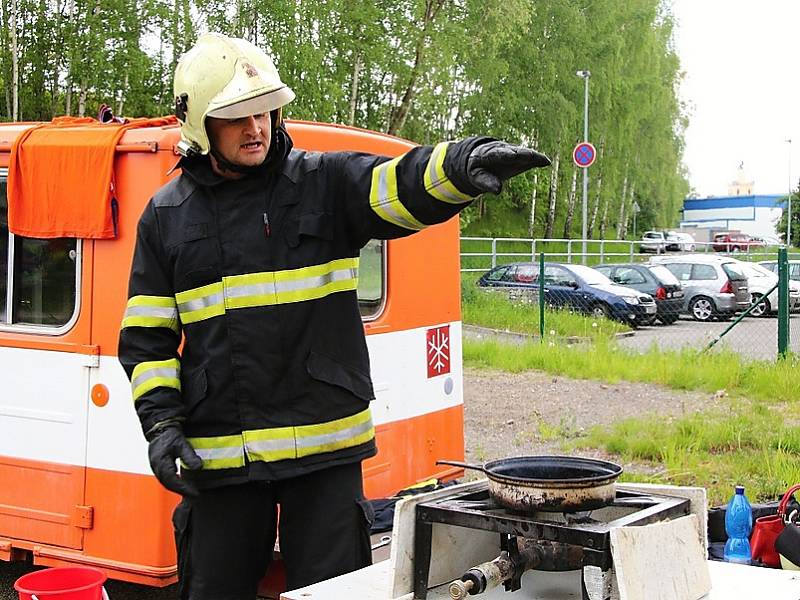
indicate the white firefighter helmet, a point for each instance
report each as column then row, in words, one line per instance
column 227, row 78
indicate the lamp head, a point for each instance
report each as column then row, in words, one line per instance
column 584, row 74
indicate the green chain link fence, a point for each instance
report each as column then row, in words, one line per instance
column 746, row 302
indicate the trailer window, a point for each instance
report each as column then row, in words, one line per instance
column 4, row 237
column 41, row 285
column 371, row 279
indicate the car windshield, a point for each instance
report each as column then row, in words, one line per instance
column 664, row 275
column 589, row 275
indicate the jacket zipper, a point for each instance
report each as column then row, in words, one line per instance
column 267, row 230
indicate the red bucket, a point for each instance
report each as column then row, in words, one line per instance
column 62, row 583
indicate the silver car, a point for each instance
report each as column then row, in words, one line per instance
column 714, row 287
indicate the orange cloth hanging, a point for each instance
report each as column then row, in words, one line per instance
column 61, row 174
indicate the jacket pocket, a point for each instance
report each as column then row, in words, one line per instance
column 326, row 369
column 198, row 277
column 314, row 225
column 194, row 386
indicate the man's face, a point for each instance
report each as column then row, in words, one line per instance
column 244, row 141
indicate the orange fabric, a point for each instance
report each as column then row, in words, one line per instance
column 60, row 177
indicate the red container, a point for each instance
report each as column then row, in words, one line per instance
column 62, row 583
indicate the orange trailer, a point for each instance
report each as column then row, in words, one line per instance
column 76, row 484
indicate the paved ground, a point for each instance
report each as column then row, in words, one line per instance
column 753, row 338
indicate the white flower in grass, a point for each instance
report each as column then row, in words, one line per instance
column 552, row 332
column 594, row 323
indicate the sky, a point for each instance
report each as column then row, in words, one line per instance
column 741, row 64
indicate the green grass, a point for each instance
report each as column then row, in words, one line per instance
column 684, row 369
column 749, row 445
column 754, row 442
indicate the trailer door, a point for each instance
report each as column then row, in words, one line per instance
column 44, row 398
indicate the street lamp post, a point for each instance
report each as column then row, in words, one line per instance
column 585, row 75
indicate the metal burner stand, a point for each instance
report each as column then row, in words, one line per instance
column 475, row 510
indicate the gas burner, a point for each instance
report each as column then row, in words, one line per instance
column 555, row 538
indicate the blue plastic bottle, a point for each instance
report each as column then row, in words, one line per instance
column 738, row 525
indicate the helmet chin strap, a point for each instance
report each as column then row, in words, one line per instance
column 225, row 165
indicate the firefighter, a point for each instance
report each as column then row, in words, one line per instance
column 250, row 257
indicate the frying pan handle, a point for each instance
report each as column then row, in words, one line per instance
column 454, row 463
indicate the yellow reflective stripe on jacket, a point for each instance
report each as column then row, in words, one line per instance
column 282, row 443
column 267, row 289
column 335, row 435
column 221, row 452
column 158, row 373
column 270, row 445
column 151, row 311
column 384, row 199
column 436, row 182
column 201, row 303
column 294, row 285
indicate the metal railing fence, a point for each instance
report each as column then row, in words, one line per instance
column 762, row 324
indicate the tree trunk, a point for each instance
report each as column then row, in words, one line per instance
column 14, row 64
column 604, row 220
column 627, row 215
column 532, row 219
column 551, row 209
column 596, row 203
column 357, row 66
column 623, row 198
column 121, row 102
column 400, row 113
column 82, row 98
column 571, row 204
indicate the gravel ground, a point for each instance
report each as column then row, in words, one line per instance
column 507, row 414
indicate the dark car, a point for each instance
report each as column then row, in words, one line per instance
column 576, row 287
column 655, row 280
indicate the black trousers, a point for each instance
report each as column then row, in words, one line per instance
column 225, row 537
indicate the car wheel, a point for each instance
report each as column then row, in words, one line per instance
column 702, row 308
column 600, row 311
column 763, row 308
column 668, row 319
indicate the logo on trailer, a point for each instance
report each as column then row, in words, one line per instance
column 438, row 343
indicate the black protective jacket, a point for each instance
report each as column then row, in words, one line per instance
column 258, row 276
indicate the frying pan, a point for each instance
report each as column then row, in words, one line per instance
column 549, row 483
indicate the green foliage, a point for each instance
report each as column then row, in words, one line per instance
column 424, row 69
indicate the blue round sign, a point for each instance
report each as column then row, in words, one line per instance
column 584, row 154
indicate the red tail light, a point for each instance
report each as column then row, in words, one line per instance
column 661, row 293
column 727, row 288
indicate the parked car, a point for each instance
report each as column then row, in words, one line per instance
column 714, row 287
column 576, row 287
column 761, row 280
column 679, row 241
column 735, row 242
column 655, row 280
column 794, row 268
column 653, row 241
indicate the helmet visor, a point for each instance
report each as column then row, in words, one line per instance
column 257, row 105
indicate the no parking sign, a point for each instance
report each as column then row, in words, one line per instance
column 584, row 154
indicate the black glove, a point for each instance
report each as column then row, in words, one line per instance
column 166, row 445
column 490, row 164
